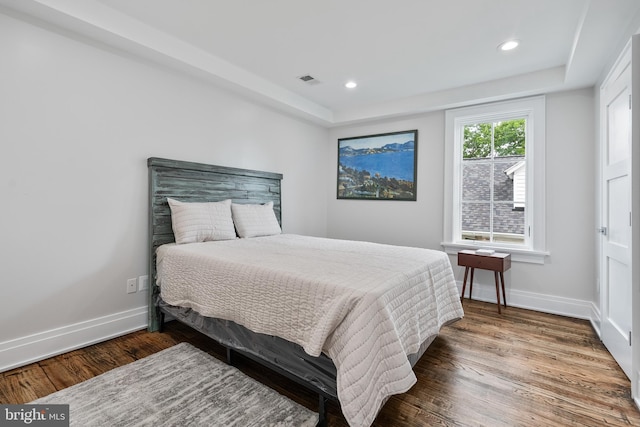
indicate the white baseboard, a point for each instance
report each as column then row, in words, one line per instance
column 539, row 302
column 32, row 348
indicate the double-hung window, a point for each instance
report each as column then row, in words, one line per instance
column 494, row 178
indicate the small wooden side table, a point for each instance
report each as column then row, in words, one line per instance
column 496, row 262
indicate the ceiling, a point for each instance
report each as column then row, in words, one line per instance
column 407, row 56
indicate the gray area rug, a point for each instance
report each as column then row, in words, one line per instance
column 179, row 386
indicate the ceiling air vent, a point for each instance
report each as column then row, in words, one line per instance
column 310, row 80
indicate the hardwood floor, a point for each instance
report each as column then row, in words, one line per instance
column 521, row 368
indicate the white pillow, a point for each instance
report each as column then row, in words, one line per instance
column 201, row 222
column 255, row 220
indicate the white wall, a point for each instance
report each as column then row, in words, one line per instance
column 77, row 123
column 566, row 282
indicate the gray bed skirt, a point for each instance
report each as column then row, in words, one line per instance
column 316, row 373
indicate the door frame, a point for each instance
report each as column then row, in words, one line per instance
column 635, row 216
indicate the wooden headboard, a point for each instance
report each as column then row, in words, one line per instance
column 197, row 182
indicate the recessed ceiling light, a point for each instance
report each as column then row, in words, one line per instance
column 350, row 85
column 508, row 45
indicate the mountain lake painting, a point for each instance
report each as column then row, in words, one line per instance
column 378, row 167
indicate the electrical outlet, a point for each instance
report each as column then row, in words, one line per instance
column 143, row 283
column 131, row 286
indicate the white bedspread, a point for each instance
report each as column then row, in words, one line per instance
column 365, row 305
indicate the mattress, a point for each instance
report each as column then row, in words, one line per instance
column 365, row 305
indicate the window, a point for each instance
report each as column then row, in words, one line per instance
column 494, row 178
column 493, row 157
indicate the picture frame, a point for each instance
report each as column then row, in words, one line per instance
column 378, row 167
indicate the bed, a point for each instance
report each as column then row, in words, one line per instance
column 346, row 319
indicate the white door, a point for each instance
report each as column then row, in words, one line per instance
column 615, row 271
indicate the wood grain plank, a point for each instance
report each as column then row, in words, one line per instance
column 520, row 369
column 24, row 384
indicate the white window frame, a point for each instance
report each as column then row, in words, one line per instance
column 533, row 110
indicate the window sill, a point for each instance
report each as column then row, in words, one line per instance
column 519, row 255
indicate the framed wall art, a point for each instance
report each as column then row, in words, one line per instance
column 378, row 167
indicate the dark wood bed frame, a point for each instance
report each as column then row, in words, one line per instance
column 197, row 182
